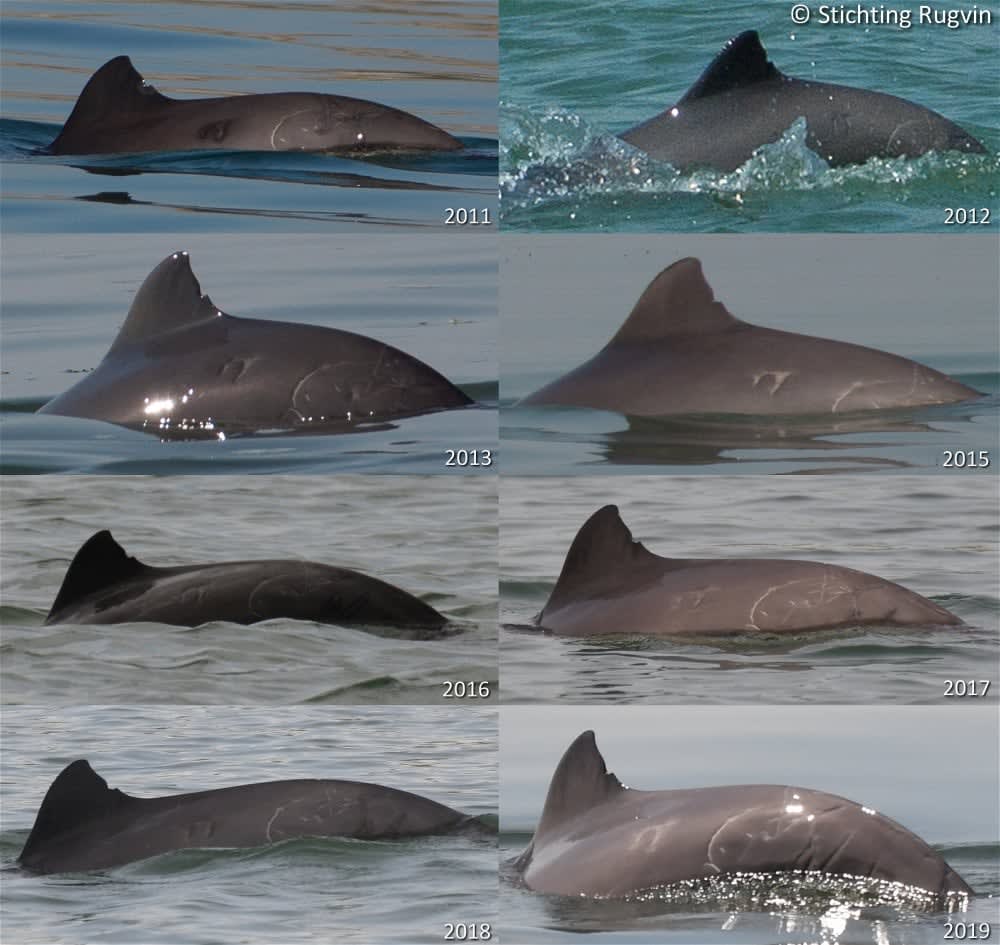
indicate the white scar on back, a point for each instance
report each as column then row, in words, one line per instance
column 777, row 379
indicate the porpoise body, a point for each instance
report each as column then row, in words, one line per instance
column 600, row 839
column 742, row 102
column 104, row 585
column 180, row 367
column 681, row 352
column 610, row 584
column 84, row 825
column 117, row 112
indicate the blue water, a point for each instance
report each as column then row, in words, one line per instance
column 66, row 296
column 305, row 891
column 925, row 298
column 876, row 756
column 937, row 537
column 574, row 75
column 436, row 61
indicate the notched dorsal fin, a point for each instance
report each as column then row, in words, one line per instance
column 602, row 547
column 679, row 301
column 581, row 781
column 100, row 562
column 168, row 299
column 78, row 794
column 742, row 62
column 115, row 89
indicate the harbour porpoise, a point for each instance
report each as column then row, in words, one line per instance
column 681, row 352
column 180, row 367
column 610, row 584
column 84, row 825
column 104, row 585
column 119, row 113
column 741, row 102
column 600, row 839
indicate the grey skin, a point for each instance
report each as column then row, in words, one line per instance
column 681, row 352
column 104, row 585
column 181, row 367
column 610, row 584
column 84, row 825
column 599, row 838
column 742, row 102
column 118, row 113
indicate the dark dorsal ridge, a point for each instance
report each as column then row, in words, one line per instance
column 602, row 548
column 742, row 62
column 115, row 89
column 679, row 301
column 581, row 781
column 168, row 299
column 99, row 563
column 76, row 796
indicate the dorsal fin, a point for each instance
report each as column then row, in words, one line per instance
column 742, row 62
column 169, row 298
column 679, row 301
column 100, row 562
column 602, row 547
column 581, row 781
column 115, row 89
column 78, row 794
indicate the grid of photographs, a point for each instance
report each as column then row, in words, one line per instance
column 499, row 471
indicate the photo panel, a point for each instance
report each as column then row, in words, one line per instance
column 236, row 823
column 749, row 117
column 746, row 824
column 186, row 354
column 719, row 354
column 260, row 117
column 249, row 590
column 749, row 589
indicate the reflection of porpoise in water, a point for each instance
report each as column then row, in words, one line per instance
column 681, row 352
column 104, row 585
column 179, row 366
column 610, row 584
column 599, row 838
column 117, row 112
column 742, row 101
column 84, row 825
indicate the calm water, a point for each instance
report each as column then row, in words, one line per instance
column 563, row 298
column 305, row 891
column 574, row 75
column 65, row 298
column 937, row 537
column 874, row 756
column 434, row 537
column 437, row 61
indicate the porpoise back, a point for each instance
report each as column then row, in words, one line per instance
column 118, row 112
column 180, row 367
column 682, row 352
column 83, row 824
column 598, row 838
column 104, row 585
column 611, row 584
column 741, row 102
